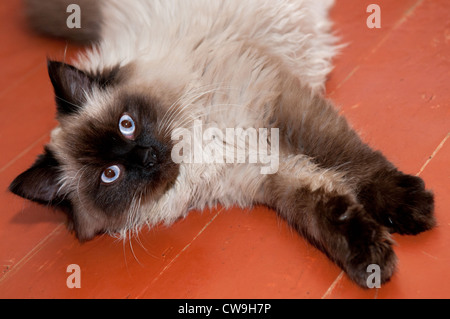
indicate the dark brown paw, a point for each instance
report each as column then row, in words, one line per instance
column 369, row 244
column 400, row 202
column 374, row 263
column 357, row 241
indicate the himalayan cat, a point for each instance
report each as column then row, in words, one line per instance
column 157, row 69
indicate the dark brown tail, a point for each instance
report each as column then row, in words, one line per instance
column 74, row 20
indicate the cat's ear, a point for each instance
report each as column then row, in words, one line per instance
column 70, row 85
column 40, row 182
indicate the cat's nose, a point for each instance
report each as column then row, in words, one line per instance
column 146, row 156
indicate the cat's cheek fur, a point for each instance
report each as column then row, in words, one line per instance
column 86, row 226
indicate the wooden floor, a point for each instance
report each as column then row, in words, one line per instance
column 392, row 83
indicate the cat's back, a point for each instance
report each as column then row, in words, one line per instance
column 151, row 30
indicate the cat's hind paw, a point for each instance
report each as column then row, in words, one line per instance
column 358, row 241
column 376, row 262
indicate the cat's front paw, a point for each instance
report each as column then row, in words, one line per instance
column 400, row 202
column 413, row 213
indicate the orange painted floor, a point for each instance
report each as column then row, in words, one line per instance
column 392, row 83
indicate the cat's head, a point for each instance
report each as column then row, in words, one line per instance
column 107, row 157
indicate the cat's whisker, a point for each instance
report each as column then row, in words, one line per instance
column 132, row 225
column 124, row 254
column 188, row 117
column 70, row 183
column 68, row 102
column 138, row 240
column 191, row 91
column 131, row 214
column 127, row 233
column 203, row 113
column 199, row 114
column 134, row 221
column 185, row 105
column 189, row 102
column 132, row 251
column 192, row 117
column 78, row 187
column 186, row 95
column 65, row 52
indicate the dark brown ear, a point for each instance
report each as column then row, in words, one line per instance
column 39, row 183
column 70, row 85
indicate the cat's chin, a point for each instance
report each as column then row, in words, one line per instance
column 86, row 227
column 87, row 224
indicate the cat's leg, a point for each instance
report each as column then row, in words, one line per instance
column 319, row 206
column 309, row 124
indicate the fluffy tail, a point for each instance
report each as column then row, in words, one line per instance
column 74, row 20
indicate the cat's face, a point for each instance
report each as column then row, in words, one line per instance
column 108, row 156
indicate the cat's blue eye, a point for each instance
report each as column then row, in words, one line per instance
column 127, row 126
column 110, row 174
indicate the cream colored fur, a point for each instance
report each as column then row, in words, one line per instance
column 218, row 61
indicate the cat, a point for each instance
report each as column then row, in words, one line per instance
column 154, row 67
